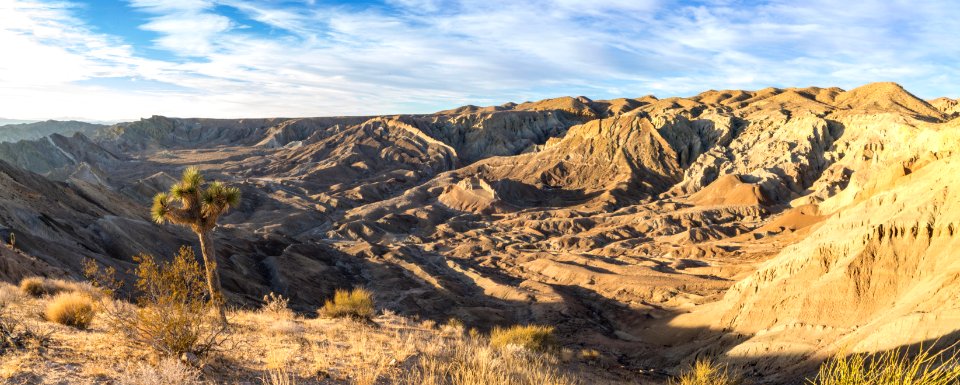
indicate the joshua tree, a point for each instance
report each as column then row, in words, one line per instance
column 200, row 207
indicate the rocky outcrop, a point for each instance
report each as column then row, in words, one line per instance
column 57, row 156
column 949, row 107
column 480, row 135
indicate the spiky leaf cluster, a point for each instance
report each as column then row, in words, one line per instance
column 190, row 203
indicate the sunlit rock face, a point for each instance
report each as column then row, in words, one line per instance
column 771, row 226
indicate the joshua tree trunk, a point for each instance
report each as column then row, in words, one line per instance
column 199, row 209
column 213, row 275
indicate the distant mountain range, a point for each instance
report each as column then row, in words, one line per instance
column 37, row 130
column 5, row 121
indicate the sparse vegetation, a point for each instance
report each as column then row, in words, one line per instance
column 279, row 376
column 315, row 351
column 9, row 295
column 590, row 355
column 275, row 305
column 166, row 372
column 706, row 372
column 72, row 309
column 172, row 318
column 200, row 208
column 356, row 303
column 14, row 333
column 894, row 367
column 38, row 286
column 471, row 361
column 535, row 338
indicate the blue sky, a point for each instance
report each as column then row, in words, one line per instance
column 125, row 59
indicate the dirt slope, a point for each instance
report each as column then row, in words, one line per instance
column 771, row 227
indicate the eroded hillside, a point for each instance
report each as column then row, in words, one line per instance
column 772, row 226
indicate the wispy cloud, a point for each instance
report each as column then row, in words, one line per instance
column 306, row 58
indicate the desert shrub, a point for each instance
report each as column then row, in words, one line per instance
column 173, row 315
column 357, row 304
column 706, row 372
column 39, row 287
column 167, row 371
column 72, row 309
column 894, row 367
column 531, row 337
column 276, row 306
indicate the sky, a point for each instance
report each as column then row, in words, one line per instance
column 126, row 59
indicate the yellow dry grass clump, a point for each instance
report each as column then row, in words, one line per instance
column 706, row 372
column 531, row 337
column 357, row 303
column 894, row 367
column 72, row 309
column 472, row 361
column 39, row 286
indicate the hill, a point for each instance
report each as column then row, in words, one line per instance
column 17, row 130
column 655, row 230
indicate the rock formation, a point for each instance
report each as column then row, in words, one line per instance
column 772, row 227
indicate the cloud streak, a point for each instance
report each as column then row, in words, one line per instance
column 267, row 58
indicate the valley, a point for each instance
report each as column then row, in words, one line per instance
column 768, row 228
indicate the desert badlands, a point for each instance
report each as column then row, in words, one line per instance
column 767, row 230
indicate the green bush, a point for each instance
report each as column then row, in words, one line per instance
column 530, row 337
column 357, row 304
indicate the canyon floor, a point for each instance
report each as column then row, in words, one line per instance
column 769, row 229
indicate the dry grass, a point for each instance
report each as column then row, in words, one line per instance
column 706, row 372
column 168, row 371
column 590, row 355
column 469, row 361
column 72, row 309
column 9, row 295
column 531, row 337
column 277, row 306
column 893, row 367
column 39, row 286
column 271, row 348
column 279, row 377
column 357, row 303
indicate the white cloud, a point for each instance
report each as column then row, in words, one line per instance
column 188, row 27
column 425, row 55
